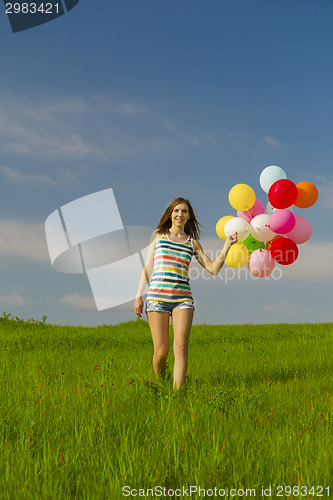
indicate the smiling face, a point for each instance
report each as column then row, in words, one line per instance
column 180, row 215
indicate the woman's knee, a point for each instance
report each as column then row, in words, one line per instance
column 180, row 349
column 161, row 354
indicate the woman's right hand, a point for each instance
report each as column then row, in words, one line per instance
column 138, row 306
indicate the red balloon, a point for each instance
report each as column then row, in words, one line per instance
column 284, row 251
column 282, row 193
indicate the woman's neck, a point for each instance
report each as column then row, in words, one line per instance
column 176, row 231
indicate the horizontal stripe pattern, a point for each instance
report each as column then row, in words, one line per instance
column 169, row 281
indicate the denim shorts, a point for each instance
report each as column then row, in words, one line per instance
column 160, row 306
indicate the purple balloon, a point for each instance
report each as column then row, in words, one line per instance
column 257, row 209
column 282, row 221
column 261, row 263
column 301, row 231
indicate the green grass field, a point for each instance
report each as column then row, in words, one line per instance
column 82, row 417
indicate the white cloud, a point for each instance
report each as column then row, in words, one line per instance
column 282, row 307
column 14, row 299
column 325, row 189
column 326, row 195
column 189, row 139
column 16, row 175
column 25, row 142
column 77, row 301
column 314, row 262
column 47, row 129
column 22, row 239
column 62, row 176
column 131, row 109
column 99, row 127
column 271, row 141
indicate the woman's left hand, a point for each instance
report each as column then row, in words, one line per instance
column 232, row 239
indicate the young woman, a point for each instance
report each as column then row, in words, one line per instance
column 171, row 248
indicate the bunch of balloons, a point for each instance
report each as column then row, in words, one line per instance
column 266, row 236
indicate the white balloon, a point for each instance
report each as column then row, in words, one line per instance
column 270, row 175
column 270, row 210
column 260, row 229
column 237, row 225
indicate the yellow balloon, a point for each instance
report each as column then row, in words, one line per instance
column 242, row 197
column 237, row 256
column 220, row 226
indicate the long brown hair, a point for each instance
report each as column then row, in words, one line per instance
column 192, row 225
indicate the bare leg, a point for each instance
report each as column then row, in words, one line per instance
column 181, row 322
column 159, row 327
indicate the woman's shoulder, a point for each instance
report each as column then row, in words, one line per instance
column 195, row 243
column 157, row 233
column 155, row 236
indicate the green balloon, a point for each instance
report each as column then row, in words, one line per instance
column 253, row 244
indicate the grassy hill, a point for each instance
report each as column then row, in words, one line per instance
column 82, row 416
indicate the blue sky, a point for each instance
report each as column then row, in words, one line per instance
column 156, row 100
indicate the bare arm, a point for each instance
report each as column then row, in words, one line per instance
column 146, row 273
column 216, row 266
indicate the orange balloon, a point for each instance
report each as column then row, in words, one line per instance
column 307, row 195
column 269, row 243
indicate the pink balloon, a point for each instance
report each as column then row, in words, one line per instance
column 282, row 221
column 257, row 209
column 261, row 263
column 301, row 232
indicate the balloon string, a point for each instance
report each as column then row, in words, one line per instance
column 249, row 214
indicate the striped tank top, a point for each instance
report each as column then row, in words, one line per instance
column 169, row 281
